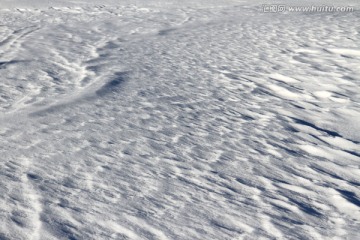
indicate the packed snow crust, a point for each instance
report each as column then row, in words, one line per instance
column 167, row 120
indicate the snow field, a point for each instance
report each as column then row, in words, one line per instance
column 178, row 123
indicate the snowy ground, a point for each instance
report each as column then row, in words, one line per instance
column 193, row 121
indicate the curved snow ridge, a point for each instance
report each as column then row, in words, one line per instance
column 68, row 59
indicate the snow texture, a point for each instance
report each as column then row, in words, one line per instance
column 159, row 120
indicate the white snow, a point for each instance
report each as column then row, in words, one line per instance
column 168, row 120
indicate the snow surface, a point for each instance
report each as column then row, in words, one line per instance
column 160, row 120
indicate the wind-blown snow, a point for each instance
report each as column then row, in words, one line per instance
column 195, row 121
